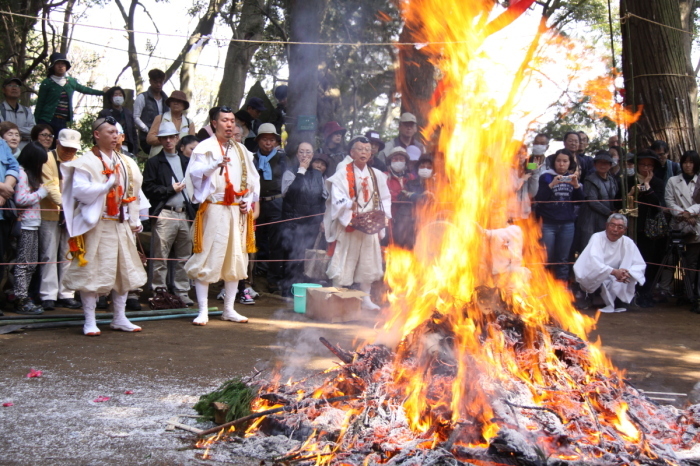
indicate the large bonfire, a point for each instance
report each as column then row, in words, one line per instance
column 473, row 368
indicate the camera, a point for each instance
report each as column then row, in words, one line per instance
column 565, row 178
column 642, row 187
column 677, row 237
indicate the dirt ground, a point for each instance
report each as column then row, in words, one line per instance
column 56, row 420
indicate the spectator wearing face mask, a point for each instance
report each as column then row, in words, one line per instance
column 114, row 107
column 523, row 184
column 538, row 153
column 402, row 224
column 422, row 189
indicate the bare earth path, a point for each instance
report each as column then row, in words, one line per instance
column 55, row 420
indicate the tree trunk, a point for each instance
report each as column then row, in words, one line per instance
column 133, row 55
column 305, row 26
column 250, row 27
column 416, row 78
column 67, row 17
column 659, row 75
column 196, row 43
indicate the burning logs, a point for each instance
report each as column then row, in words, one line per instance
column 561, row 409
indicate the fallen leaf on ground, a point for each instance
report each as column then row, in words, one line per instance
column 100, row 399
column 7, row 405
column 129, row 392
column 34, row 373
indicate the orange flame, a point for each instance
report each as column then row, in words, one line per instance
column 601, row 92
column 440, row 289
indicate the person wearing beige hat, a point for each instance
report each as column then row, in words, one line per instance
column 53, row 236
column 408, row 130
column 271, row 163
column 178, row 104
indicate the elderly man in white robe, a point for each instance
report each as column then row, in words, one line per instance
column 611, row 262
column 101, row 197
column 355, row 188
column 223, row 179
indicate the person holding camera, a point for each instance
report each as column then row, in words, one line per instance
column 557, row 189
column 648, row 190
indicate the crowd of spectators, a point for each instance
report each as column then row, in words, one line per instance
column 571, row 192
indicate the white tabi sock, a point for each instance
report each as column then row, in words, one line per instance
column 229, row 314
column 367, row 300
column 89, row 301
column 202, row 289
column 119, row 321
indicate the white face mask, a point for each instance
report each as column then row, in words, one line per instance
column 615, row 162
column 425, row 172
column 630, row 172
column 118, row 100
column 539, row 149
column 398, row 166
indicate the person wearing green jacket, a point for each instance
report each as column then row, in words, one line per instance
column 55, row 103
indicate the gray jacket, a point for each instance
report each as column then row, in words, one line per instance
column 22, row 117
column 382, row 155
column 594, row 214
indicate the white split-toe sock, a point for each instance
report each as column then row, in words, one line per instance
column 119, row 321
column 89, row 301
column 229, row 314
column 367, row 303
column 202, row 290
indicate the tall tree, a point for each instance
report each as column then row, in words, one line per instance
column 20, row 53
column 247, row 24
column 659, row 74
column 305, row 26
column 190, row 51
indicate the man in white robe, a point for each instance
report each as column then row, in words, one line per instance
column 101, row 192
column 611, row 262
column 357, row 257
column 222, row 224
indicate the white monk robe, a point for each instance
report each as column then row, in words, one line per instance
column 602, row 256
column 357, row 257
column 506, row 248
column 113, row 262
column 224, row 255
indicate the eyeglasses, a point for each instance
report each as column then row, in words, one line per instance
column 109, row 119
column 46, row 135
column 617, row 226
column 13, row 86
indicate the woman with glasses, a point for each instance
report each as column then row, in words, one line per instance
column 43, row 134
column 304, row 195
column 10, row 133
column 648, row 190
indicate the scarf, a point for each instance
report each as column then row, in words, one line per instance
column 61, row 81
column 688, row 178
column 264, row 164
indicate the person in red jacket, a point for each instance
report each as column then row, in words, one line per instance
column 402, row 224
